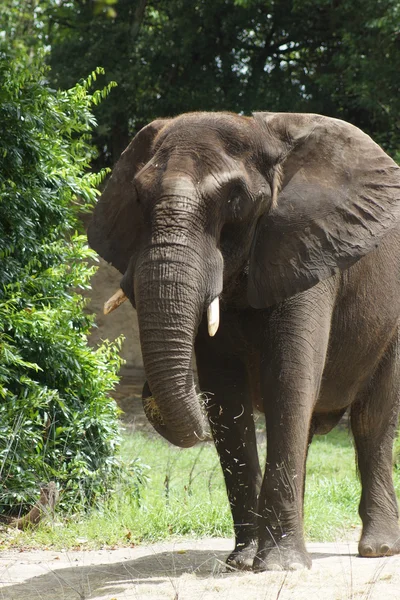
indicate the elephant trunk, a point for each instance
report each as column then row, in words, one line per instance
column 170, row 299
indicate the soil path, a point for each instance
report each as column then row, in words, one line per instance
column 193, row 570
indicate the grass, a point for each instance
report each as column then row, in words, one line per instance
column 185, row 495
column 332, row 488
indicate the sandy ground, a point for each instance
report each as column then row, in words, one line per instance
column 192, row 570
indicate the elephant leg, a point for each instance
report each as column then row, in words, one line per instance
column 281, row 543
column 230, row 414
column 292, row 367
column 374, row 418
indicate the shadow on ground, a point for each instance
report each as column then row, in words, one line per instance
column 114, row 579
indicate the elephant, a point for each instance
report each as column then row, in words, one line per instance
column 269, row 247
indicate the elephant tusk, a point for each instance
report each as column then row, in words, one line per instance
column 213, row 317
column 116, row 300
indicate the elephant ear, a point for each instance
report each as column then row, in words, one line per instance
column 335, row 195
column 116, row 226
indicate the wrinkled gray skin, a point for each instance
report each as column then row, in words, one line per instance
column 293, row 220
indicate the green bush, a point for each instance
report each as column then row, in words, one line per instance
column 57, row 421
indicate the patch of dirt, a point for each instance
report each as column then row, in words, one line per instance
column 193, row 570
column 128, row 395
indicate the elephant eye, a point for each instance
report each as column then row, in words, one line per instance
column 234, row 203
column 237, row 201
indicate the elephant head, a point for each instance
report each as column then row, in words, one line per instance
column 280, row 201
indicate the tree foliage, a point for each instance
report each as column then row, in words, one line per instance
column 57, row 421
column 340, row 58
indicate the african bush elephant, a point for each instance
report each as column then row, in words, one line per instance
column 291, row 222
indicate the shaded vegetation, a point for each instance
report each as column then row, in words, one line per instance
column 57, row 421
column 339, row 58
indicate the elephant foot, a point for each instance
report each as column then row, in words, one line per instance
column 380, row 541
column 243, row 555
column 282, row 558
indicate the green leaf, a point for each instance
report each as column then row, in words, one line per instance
column 57, row 419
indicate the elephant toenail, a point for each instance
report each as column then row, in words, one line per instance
column 247, row 563
column 367, row 551
column 385, row 548
column 274, row 567
column 296, row 566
